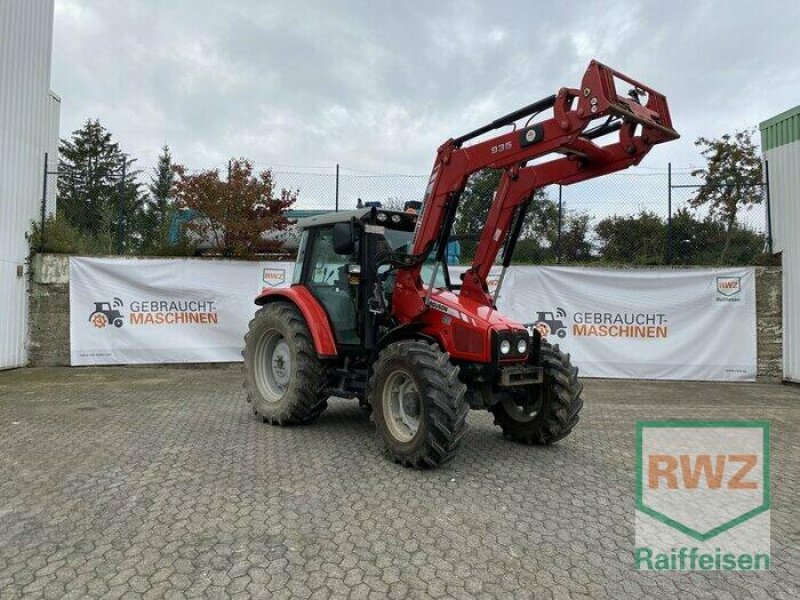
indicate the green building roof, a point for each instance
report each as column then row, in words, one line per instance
column 781, row 129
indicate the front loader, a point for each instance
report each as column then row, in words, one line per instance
column 373, row 313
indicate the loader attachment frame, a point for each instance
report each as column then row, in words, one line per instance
column 634, row 123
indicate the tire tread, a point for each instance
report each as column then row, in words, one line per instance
column 306, row 403
column 562, row 413
column 446, row 406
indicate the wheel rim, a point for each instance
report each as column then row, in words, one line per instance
column 272, row 365
column 523, row 410
column 402, row 406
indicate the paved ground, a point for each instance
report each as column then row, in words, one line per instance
column 159, row 483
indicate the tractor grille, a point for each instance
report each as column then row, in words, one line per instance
column 466, row 339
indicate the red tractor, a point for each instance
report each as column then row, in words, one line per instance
column 373, row 314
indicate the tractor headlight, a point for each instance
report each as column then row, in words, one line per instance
column 505, row 347
column 522, row 346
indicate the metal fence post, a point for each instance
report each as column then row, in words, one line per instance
column 769, row 207
column 44, row 203
column 121, row 218
column 558, row 238
column 337, row 187
column 669, row 213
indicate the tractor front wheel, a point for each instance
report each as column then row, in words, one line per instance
column 544, row 413
column 418, row 403
column 283, row 374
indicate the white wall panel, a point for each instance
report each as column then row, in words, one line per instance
column 28, row 128
column 784, row 178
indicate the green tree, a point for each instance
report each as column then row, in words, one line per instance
column 539, row 232
column 159, row 206
column 575, row 243
column 473, row 209
column 89, row 186
column 702, row 241
column 636, row 239
column 732, row 179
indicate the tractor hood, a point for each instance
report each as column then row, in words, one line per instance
column 472, row 331
column 471, row 311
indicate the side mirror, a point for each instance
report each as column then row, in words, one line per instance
column 343, row 238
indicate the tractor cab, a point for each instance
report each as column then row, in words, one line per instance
column 341, row 261
column 350, row 262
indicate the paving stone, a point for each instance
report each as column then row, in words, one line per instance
column 160, row 483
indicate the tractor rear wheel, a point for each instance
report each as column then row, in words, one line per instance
column 547, row 412
column 283, row 375
column 418, row 403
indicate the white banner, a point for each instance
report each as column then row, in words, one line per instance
column 125, row 311
column 697, row 324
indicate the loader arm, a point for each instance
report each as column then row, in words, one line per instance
column 636, row 126
column 517, row 188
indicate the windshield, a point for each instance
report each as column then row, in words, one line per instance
column 401, row 242
column 398, row 241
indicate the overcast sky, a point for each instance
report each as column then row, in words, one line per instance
column 379, row 85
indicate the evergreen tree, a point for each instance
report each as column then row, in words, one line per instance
column 90, row 186
column 161, row 183
column 159, row 205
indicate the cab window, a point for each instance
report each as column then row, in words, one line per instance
column 328, row 281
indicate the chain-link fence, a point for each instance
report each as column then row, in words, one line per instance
column 636, row 217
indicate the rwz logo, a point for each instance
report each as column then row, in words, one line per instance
column 702, row 477
column 702, row 496
column 729, row 286
column 686, row 471
column 274, row 277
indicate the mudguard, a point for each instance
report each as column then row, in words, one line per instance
column 312, row 311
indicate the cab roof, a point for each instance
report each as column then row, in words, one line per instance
column 333, row 217
column 343, row 216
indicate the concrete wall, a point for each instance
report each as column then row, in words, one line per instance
column 49, row 311
column 49, row 331
column 769, row 322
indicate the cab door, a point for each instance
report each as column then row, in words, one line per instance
column 326, row 277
